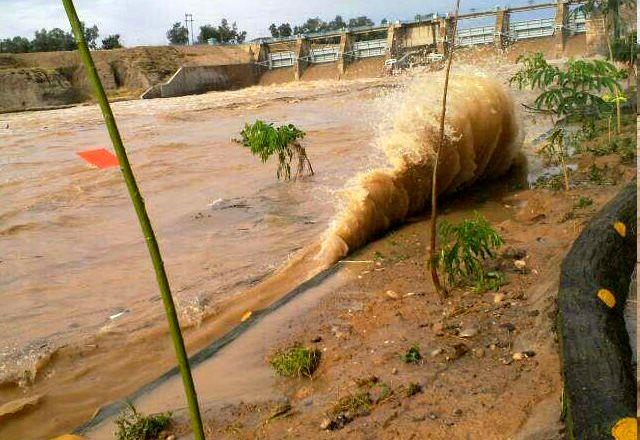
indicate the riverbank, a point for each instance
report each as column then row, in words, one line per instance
column 489, row 364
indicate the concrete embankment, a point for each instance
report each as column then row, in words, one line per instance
column 192, row 80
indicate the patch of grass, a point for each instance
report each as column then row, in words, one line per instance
column 384, row 393
column 583, row 202
column 378, row 256
column 353, row 405
column 413, row 389
column 492, row 281
column 398, row 257
column 412, row 356
column 295, row 361
column 367, row 382
column 596, row 176
column 580, row 204
column 131, row 425
column 623, row 146
column 553, row 183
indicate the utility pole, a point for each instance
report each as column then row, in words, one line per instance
column 188, row 19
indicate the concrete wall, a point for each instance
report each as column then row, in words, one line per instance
column 190, row 80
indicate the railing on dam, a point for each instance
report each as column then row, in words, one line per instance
column 281, row 59
column 542, row 27
column 325, row 54
column 577, row 22
column 521, row 30
column 371, row 48
column 328, row 54
column 473, row 36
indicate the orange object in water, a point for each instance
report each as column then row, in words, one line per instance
column 100, row 158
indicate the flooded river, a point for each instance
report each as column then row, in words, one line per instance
column 75, row 270
column 82, row 323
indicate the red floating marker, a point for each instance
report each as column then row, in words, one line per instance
column 100, row 158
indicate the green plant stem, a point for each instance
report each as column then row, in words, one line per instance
column 434, row 179
column 565, row 172
column 617, row 89
column 618, row 111
column 145, row 223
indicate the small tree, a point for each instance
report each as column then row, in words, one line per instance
column 360, row 21
column 90, row 35
column 207, row 32
column 464, row 248
column 284, row 30
column 576, row 92
column 111, row 42
column 224, row 33
column 178, row 34
column 433, row 249
column 264, row 140
column 610, row 9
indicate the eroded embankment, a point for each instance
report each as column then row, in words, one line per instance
column 51, row 79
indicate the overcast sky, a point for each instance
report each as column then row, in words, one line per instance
column 145, row 22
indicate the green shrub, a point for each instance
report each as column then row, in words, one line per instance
column 131, row 425
column 596, row 176
column 295, row 361
column 412, row 356
column 413, row 389
column 265, row 140
column 623, row 146
column 583, row 202
column 465, row 247
column 354, row 404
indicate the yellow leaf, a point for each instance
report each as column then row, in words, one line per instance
column 607, row 297
column 620, row 229
column 246, row 316
column 626, row 429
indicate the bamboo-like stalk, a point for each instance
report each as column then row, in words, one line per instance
column 434, row 179
column 565, row 171
column 143, row 218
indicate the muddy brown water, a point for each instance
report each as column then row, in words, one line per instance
column 74, row 270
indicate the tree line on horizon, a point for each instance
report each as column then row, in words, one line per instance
column 316, row 24
column 224, row 33
column 58, row 40
column 228, row 33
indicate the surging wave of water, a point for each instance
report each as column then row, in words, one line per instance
column 483, row 135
